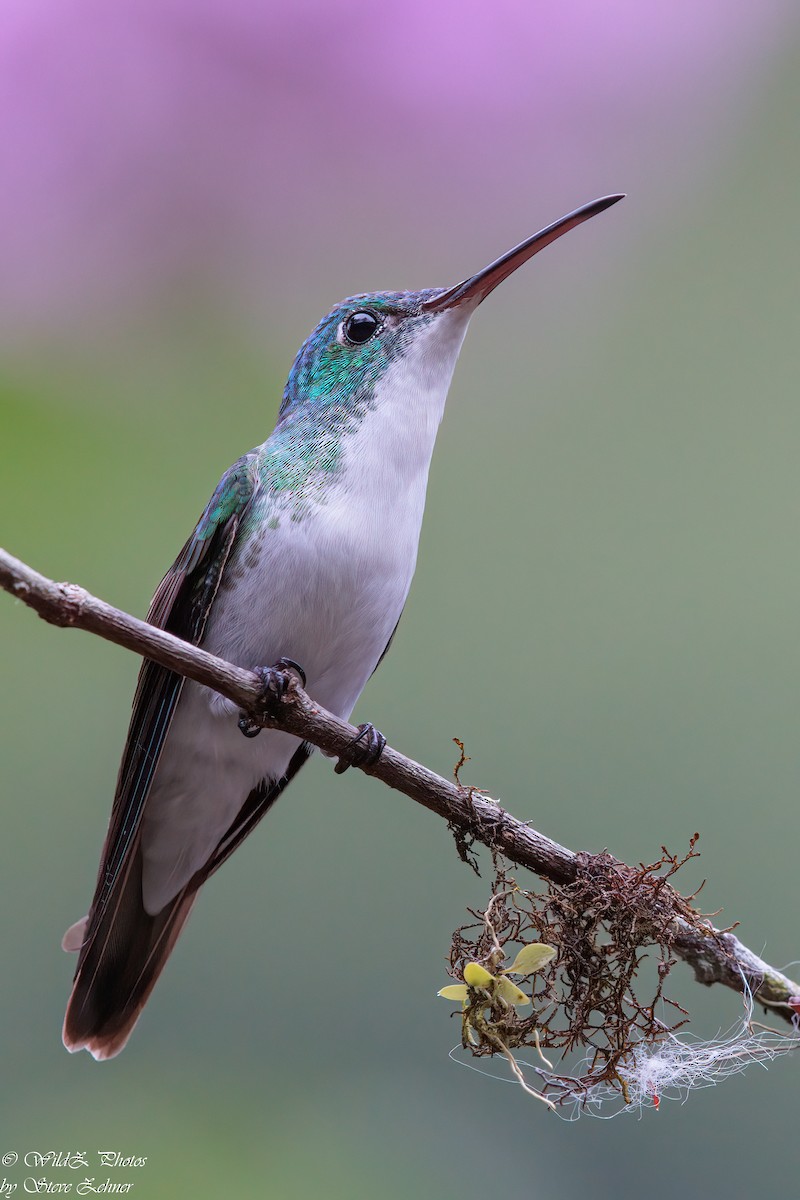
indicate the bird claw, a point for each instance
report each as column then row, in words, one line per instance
column 364, row 750
column 275, row 681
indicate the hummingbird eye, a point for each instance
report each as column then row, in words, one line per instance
column 360, row 327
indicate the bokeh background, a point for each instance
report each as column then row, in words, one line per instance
column 606, row 604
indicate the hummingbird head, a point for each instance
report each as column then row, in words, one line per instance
column 341, row 366
column 345, row 357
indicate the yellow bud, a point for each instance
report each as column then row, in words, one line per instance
column 477, row 976
column 531, row 958
column 456, row 991
column 507, row 991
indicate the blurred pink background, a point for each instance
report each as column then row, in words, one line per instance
column 249, row 150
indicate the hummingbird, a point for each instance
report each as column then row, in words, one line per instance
column 300, row 564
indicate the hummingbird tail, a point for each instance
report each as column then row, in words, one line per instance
column 123, row 949
column 118, row 966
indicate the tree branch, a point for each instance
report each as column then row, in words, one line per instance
column 716, row 957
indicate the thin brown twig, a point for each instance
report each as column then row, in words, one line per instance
column 715, row 956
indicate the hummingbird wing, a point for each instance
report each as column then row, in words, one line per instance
column 122, row 948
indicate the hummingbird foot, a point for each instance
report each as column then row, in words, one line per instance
column 275, row 682
column 364, row 750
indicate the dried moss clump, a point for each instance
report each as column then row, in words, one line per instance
column 612, row 927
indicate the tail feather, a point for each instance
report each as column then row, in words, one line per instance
column 123, row 950
column 119, row 963
column 75, row 936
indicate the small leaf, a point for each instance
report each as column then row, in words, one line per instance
column 509, row 992
column 531, row 958
column 456, row 991
column 477, row 976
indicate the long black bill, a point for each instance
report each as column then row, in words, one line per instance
column 478, row 287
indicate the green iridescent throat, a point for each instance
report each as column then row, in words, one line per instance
column 331, row 387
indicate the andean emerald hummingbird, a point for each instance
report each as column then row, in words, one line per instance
column 303, row 558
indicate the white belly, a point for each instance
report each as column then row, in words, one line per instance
column 327, row 592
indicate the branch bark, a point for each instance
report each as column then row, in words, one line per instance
column 715, row 956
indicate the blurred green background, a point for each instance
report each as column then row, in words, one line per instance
column 605, row 611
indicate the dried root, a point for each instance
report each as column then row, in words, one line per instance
column 600, row 993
